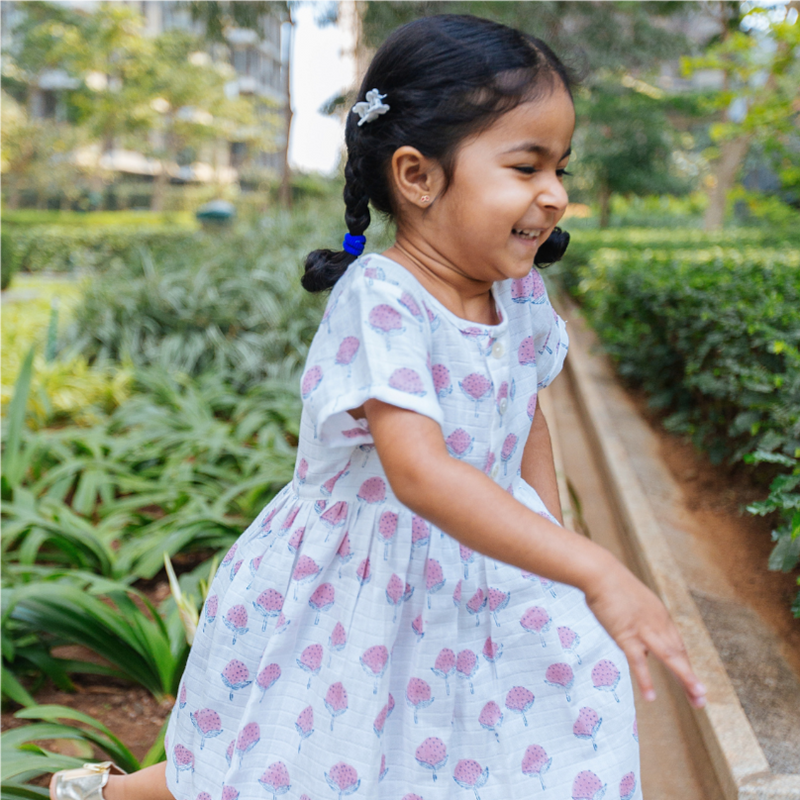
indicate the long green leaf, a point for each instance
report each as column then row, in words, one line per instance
column 13, row 462
column 14, row 690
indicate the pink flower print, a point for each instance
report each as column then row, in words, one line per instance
column 476, row 604
column 519, row 700
column 183, row 759
column 343, row 778
column 407, row 301
column 441, row 380
column 203, row 796
column 322, row 599
column 335, row 517
column 469, row 774
column 476, row 335
column 491, row 718
column 457, row 595
column 374, row 660
column 488, row 463
column 492, row 650
column 459, row 443
column 306, row 571
column 364, row 572
column 466, row 666
column 269, row 604
column 569, row 640
column 295, row 540
column 536, row 762
column 236, row 567
column 627, row 786
column 253, row 566
column 386, row 321
column 207, row 723
column 311, row 380
column 344, row 553
column 247, row 739
column 587, row 786
column 527, row 352
column 288, row 521
column 432, row 754
column 434, row 578
column 310, row 661
column 418, row 695
column 373, row 273
column 560, row 676
column 605, row 677
column 236, row 621
column 635, row 729
column 346, row 354
column 498, row 600
column 397, row 592
column 418, row 627
column 302, row 471
column 372, row 491
column 476, row 387
column 229, row 752
column 467, row 558
column 235, row 676
column 227, row 561
column 267, row 677
column 266, row 524
column 445, row 666
column 304, row 724
column 509, row 448
column 212, row 604
column 337, row 640
column 432, row 318
column 536, row 620
column 411, row 797
column 384, row 769
column 531, row 406
column 228, row 792
column 587, row 725
column 407, row 380
column 522, row 289
column 546, row 583
column 336, row 701
column 380, row 720
column 182, row 697
column 420, row 533
column 387, row 528
column 276, row 779
column 330, row 484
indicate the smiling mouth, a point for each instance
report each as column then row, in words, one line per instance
column 529, row 234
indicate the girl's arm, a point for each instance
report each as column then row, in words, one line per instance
column 538, row 468
column 472, row 508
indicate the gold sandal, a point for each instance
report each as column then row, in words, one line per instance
column 84, row 783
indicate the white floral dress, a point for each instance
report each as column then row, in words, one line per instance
column 347, row 646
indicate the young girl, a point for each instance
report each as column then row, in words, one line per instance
column 407, row 618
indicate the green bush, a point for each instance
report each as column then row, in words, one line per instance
column 713, row 334
column 9, row 263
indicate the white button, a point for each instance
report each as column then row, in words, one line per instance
column 503, row 404
column 498, row 350
column 495, row 471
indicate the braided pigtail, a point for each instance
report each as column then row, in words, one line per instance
column 325, row 267
column 552, row 249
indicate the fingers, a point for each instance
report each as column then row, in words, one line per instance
column 673, row 654
column 637, row 660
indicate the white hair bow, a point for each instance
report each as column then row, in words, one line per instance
column 372, row 108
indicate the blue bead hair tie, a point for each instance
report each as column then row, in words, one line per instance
column 354, row 244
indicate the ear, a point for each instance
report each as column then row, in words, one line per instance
column 417, row 179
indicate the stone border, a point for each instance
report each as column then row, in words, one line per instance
column 741, row 767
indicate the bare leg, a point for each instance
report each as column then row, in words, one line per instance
column 147, row 784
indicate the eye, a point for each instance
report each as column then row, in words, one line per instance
column 525, row 169
column 562, row 172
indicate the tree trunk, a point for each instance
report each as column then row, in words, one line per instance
column 604, row 199
column 732, row 154
column 285, row 192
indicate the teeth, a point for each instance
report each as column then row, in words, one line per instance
column 527, row 234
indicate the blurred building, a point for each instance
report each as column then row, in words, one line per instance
column 259, row 64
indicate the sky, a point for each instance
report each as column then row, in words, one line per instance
column 320, row 70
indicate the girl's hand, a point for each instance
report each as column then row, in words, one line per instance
column 640, row 624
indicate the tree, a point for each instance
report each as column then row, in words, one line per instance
column 759, row 59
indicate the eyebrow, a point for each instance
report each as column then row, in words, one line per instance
column 532, row 147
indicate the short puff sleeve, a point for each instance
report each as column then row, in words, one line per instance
column 374, row 342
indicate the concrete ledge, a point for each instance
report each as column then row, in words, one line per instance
column 735, row 753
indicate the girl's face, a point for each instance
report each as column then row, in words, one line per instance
column 507, row 192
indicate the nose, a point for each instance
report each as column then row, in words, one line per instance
column 552, row 195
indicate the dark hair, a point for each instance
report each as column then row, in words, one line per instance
column 445, row 77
